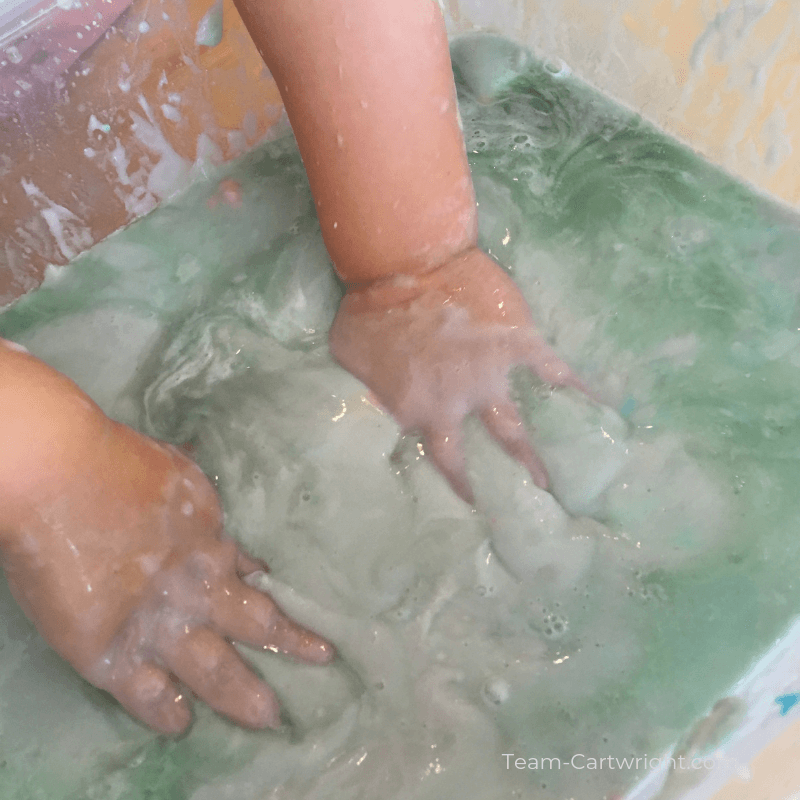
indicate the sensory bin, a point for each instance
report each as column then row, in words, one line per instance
column 603, row 619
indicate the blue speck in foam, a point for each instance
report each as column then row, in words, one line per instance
column 787, row 702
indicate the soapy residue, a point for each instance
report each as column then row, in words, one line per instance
column 600, row 620
column 209, row 29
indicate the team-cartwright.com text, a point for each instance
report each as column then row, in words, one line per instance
column 581, row 761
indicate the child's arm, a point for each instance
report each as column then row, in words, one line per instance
column 369, row 91
column 112, row 543
column 430, row 323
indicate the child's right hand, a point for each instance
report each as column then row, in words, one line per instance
column 120, row 560
column 436, row 347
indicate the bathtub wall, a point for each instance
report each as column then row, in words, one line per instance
column 138, row 115
column 150, row 105
column 721, row 75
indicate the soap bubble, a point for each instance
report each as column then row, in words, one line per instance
column 495, row 691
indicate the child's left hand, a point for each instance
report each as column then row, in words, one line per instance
column 436, row 347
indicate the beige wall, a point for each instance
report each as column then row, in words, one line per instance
column 773, row 775
column 722, row 75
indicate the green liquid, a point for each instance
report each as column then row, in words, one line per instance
column 602, row 621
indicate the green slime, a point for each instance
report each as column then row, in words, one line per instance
column 671, row 288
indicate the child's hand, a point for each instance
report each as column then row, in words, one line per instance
column 436, row 347
column 373, row 107
column 126, row 572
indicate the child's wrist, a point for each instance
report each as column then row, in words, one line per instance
column 405, row 287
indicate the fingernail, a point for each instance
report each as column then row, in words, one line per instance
column 264, row 713
column 176, row 717
column 327, row 652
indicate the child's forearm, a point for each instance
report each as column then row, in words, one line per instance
column 369, row 92
column 44, row 420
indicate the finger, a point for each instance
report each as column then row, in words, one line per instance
column 373, row 399
column 548, row 366
column 148, row 693
column 215, row 672
column 217, row 558
column 574, row 382
column 247, row 615
column 247, row 565
column 504, row 424
column 446, row 450
column 532, row 351
column 551, row 369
